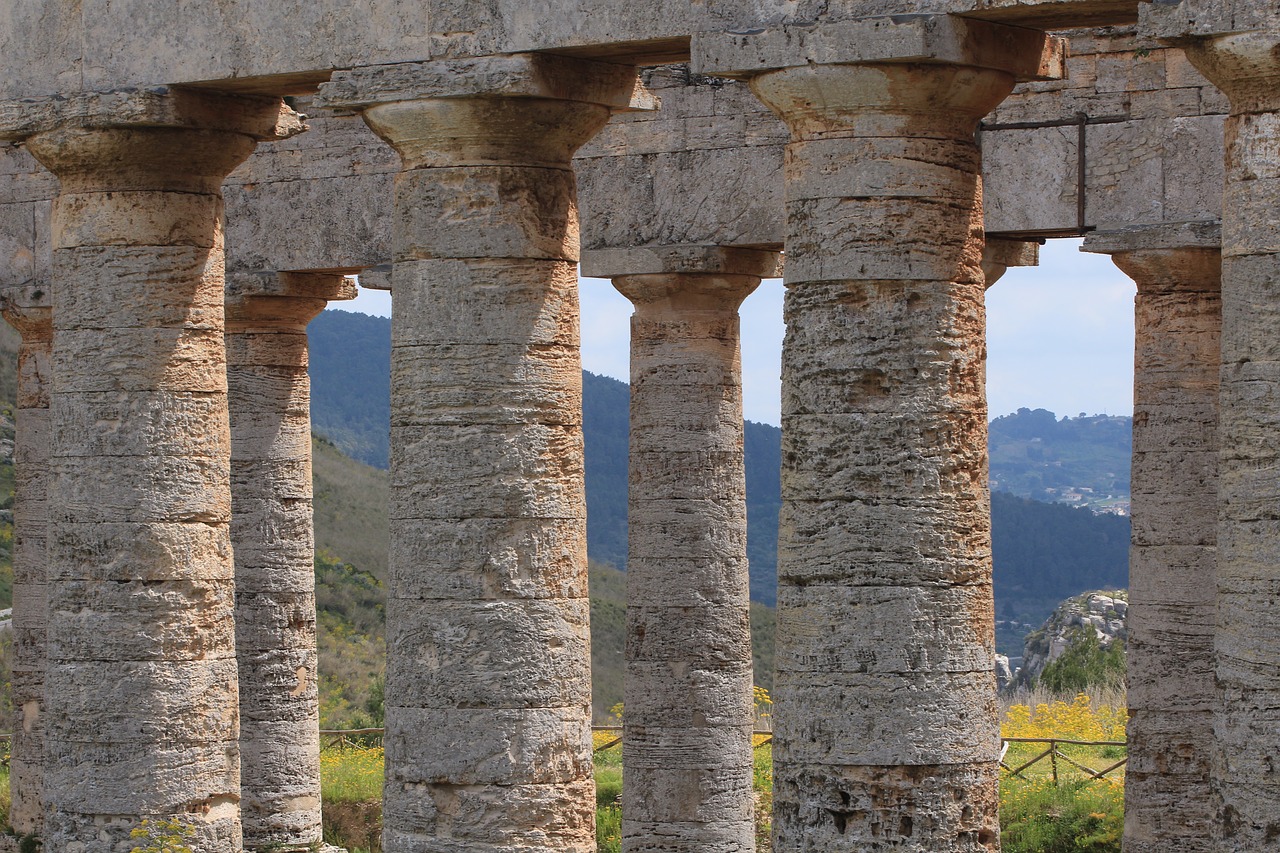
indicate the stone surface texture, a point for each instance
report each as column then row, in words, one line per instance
column 999, row 254
column 687, row 750
column 290, row 46
column 140, row 722
column 27, row 310
column 488, row 671
column 885, row 529
column 1173, row 561
column 118, row 129
column 706, row 168
column 269, row 396
column 1246, row 784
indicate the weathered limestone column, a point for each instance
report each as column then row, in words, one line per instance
column 274, row 542
column 886, row 728
column 140, row 686
column 1246, row 772
column 27, row 310
column 1173, row 559
column 687, row 753
column 488, row 667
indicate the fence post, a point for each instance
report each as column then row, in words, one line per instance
column 1053, row 760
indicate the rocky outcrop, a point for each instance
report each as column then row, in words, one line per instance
column 1103, row 612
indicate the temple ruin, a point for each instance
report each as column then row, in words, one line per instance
column 170, row 220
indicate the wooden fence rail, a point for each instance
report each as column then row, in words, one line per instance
column 362, row 738
column 343, row 738
column 1054, row 754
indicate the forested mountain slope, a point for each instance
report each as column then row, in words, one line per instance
column 1042, row 553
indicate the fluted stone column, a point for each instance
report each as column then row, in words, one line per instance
column 488, row 668
column 687, row 752
column 140, row 686
column 1246, row 772
column 886, row 726
column 1173, row 559
column 274, row 542
column 27, row 310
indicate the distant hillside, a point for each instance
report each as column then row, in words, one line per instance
column 1042, row 553
column 1082, row 460
column 606, row 406
column 351, row 407
column 351, row 383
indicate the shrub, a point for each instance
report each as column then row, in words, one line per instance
column 1085, row 664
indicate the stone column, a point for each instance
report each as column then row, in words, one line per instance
column 687, row 753
column 886, row 726
column 1173, row 560
column 27, row 310
column 1246, row 772
column 274, row 542
column 488, row 667
column 140, row 686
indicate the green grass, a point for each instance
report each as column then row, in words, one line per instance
column 1074, row 817
column 351, row 774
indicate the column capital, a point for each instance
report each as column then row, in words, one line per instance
column 1000, row 253
column 1177, row 21
column 524, row 109
column 1171, row 235
column 259, row 118
column 28, row 308
column 331, row 286
column 681, row 292
column 1245, row 66
column 158, row 140
column 1022, row 53
column 1180, row 256
column 282, row 299
column 521, row 75
column 653, row 260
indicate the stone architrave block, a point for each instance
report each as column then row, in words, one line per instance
column 730, row 196
column 1125, row 173
column 1029, row 179
column 919, row 39
column 18, row 260
column 345, row 221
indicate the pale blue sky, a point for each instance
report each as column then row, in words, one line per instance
column 1059, row 336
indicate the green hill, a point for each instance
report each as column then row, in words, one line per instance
column 606, row 426
column 1042, row 553
column 1082, row 460
column 350, row 367
column 351, row 570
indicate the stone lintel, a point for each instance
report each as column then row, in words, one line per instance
column 1000, row 253
column 926, row 39
column 1174, row 22
column 333, row 286
column 657, row 260
column 521, row 75
column 24, row 296
column 376, row 278
column 1012, row 253
column 1137, row 238
column 261, row 118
